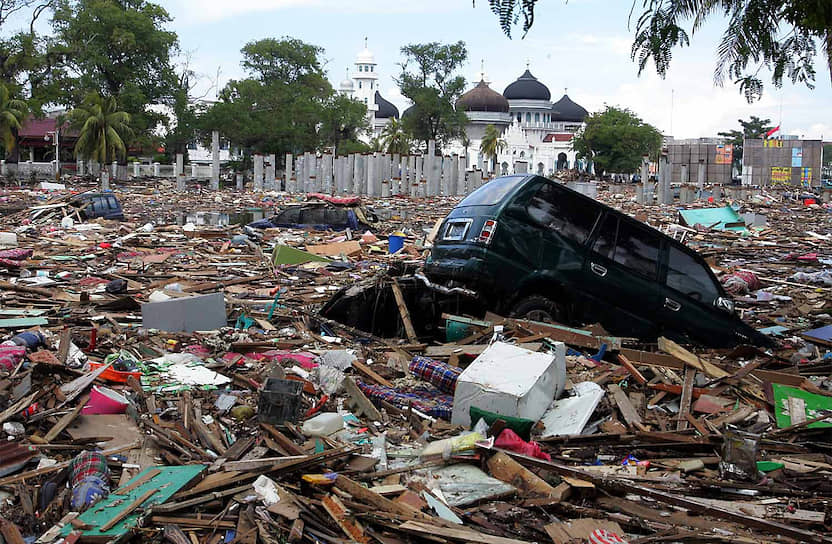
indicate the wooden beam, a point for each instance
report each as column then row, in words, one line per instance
column 403, row 312
column 687, row 396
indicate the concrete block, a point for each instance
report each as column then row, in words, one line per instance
column 186, row 314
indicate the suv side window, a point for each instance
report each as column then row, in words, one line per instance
column 99, row 205
column 629, row 245
column 112, row 203
column 689, row 277
column 638, row 249
column 564, row 212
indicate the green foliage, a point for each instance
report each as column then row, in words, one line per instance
column 102, row 129
column 12, row 113
column 615, row 140
column 491, row 145
column 394, row 139
column 428, row 78
column 779, row 35
column 286, row 105
column 753, row 128
column 343, row 119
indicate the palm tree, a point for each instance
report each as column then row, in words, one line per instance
column 102, row 129
column 394, row 138
column 12, row 113
column 492, row 144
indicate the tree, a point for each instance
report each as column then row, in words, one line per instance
column 286, row 105
column 102, row 129
column 615, row 140
column 491, row 145
column 780, row 35
column 394, row 139
column 12, row 113
column 753, row 128
column 343, row 119
column 120, row 49
column 428, row 78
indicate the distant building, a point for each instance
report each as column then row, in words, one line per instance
column 712, row 155
column 363, row 86
column 787, row 162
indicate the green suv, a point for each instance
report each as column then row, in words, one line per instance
column 533, row 248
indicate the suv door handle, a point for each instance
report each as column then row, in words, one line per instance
column 672, row 305
column 598, row 269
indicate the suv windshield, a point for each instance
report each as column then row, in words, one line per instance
column 492, row 192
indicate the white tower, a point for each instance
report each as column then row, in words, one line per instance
column 347, row 86
column 366, row 80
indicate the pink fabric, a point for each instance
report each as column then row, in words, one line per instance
column 10, row 356
column 508, row 440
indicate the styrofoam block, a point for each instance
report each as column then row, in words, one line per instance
column 510, row 381
column 186, row 314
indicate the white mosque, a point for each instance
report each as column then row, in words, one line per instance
column 537, row 132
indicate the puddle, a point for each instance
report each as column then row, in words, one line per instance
column 221, row 219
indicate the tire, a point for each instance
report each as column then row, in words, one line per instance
column 537, row 308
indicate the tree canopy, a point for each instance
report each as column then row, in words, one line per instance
column 286, row 105
column 753, row 128
column 782, row 36
column 430, row 80
column 102, row 128
column 615, row 140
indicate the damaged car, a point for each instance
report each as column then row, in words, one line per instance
column 532, row 248
column 323, row 214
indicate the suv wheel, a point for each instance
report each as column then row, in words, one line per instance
column 537, row 308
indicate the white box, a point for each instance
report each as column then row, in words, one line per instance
column 510, row 381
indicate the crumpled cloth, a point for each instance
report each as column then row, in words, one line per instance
column 10, row 356
column 824, row 276
column 441, row 375
column 14, row 257
column 509, row 440
column 740, row 282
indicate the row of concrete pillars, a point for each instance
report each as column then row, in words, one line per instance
column 663, row 190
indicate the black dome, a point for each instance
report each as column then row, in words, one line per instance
column 566, row 110
column 482, row 98
column 385, row 109
column 527, row 87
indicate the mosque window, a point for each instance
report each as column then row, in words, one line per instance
column 372, row 68
column 519, row 117
column 536, row 117
column 371, row 85
column 365, row 100
column 528, row 117
column 359, row 84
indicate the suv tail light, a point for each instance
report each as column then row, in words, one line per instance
column 487, row 232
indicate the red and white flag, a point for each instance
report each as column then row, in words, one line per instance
column 772, row 131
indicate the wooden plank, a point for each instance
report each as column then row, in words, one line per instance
column 361, row 404
column 464, row 535
column 671, row 347
column 507, row 470
column 128, row 510
column 361, row 493
column 146, row 477
column 687, row 397
column 403, row 312
column 628, row 412
column 579, row 530
column 338, row 512
column 283, row 440
column 64, row 422
column 367, row 372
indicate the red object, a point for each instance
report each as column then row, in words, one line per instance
column 508, row 440
column 809, row 201
column 602, row 536
column 113, row 375
column 772, row 131
column 105, row 245
column 342, row 200
column 315, row 409
column 711, row 199
column 104, row 400
column 30, row 411
column 93, row 338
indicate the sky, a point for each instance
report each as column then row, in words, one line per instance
column 579, row 45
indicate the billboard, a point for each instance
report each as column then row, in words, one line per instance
column 781, row 174
column 806, row 177
column 724, row 154
column 797, row 157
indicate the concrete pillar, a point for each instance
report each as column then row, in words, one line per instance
column 642, row 196
column 372, row 165
column 349, row 174
column 258, row 173
column 319, row 173
column 395, row 173
column 136, row 169
column 239, row 180
column 288, row 174
column 4, row 170
column 180, row 182
column 194, row 170
column 685, row 175
column 462, row 183
column 79, row 167
column 700, row 178
column 309, row 168
column 156, row 169
column 105, row 180
column 180, row 164
column 430, row 159
column 454, row 174
column 326, row 169
column 358, row 174
column 114, row 170
column 215, row 160
column 271, row 166
column 477, row 179
column 445, row 181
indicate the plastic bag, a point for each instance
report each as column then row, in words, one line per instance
column 508, row 440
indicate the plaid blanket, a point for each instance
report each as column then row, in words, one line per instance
column 426, row 399
column 443, row 376
column 86, row 464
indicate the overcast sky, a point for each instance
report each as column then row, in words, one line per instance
column 582, row 45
